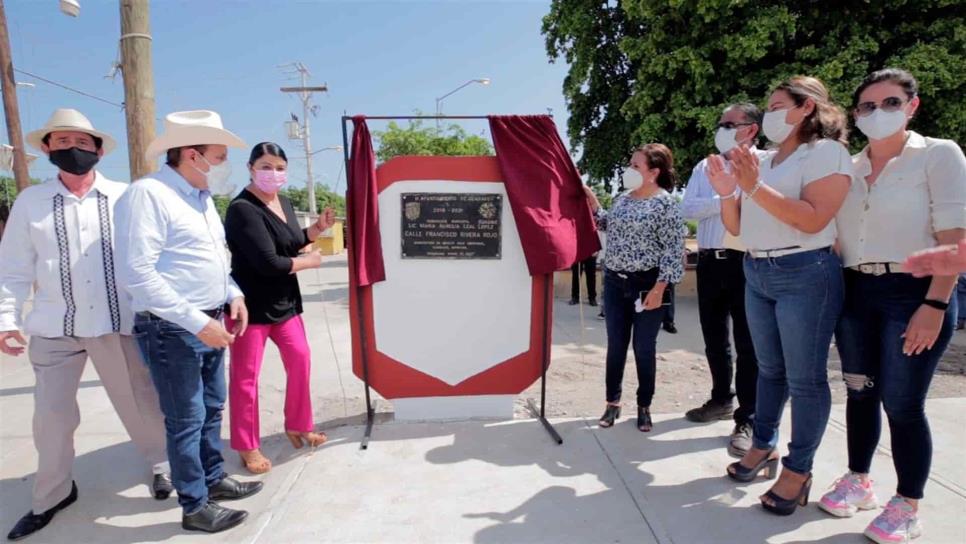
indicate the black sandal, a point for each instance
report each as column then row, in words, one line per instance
column 611, row 414
column 786, row 507
column 742, row 473
column 644, row 423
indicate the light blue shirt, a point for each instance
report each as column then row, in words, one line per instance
column 171, row 243
column 702, row 203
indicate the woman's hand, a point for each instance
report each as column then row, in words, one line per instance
column 592, row 198
column 326, row 220
column 722, row 178
column 654, row 298
column 746, row 168
column 923, row 329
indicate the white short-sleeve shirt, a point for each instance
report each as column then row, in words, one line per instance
column 813, row 161
column 918, row 193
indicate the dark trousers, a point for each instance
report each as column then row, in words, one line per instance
column 589, row 267
column 869, row 339
column 721, row 295
column 668, row 304
column 190, row 379
column 624, row 324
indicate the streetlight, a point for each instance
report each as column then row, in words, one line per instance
column 329, row 148
column 70, row 7
column 485, row 81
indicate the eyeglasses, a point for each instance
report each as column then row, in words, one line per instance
column 890, row 104
column 728, row 125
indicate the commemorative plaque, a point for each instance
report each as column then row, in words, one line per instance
column 451, row 225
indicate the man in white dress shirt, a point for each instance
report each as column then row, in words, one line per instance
column 59, row 242
column 174, row 263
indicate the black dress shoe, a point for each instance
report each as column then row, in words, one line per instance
column 31, row 523
column 162, row 486
column 669, row 327
column 229, row 489
column 593, row 302
column 213, row 518
column 573, row 302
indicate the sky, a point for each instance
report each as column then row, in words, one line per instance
column 377, row 58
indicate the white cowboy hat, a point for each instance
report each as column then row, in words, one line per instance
column 186, row 128
column 68, row 120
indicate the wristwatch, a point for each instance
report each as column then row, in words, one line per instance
column 937, row 304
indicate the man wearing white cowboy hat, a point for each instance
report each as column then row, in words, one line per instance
column 175, row 265
column 60, row 242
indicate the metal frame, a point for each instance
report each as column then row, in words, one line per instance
column 540, row 413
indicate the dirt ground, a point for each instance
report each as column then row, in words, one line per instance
column 575, row 382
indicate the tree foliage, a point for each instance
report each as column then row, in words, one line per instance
column 299, row 196
column 415, row 139
column 662, row 71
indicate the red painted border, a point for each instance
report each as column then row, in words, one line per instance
column 394, row 379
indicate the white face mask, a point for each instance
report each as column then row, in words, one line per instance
column 217, row 177
column 631, row 179
column 726, row 139
column 881, row 124
column 775, row 127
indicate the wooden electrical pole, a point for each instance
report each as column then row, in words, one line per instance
column 305, row 94
column 138, row 84
column 11, row 110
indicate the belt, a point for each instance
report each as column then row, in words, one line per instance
column 719, row 254
column 626, row 275
column 778, row 252
column 879, row 269
column 215, row 314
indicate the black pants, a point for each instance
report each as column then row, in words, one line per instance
column 721, row 294
column 668, row 304
column 589, row 266
column 626, row 326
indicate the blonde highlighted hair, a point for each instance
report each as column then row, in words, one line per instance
column 827, row 120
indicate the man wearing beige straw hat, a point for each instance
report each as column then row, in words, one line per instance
column 174, row 263
column 59, row 243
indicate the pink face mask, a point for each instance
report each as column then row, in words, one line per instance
column 269, row 181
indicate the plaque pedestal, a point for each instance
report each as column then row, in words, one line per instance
column 450, row 408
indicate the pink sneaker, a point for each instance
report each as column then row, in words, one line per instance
column 897, row 523
column 849, row 495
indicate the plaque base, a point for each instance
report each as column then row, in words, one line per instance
column 450, row 408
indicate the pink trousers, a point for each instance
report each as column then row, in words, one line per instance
column 247, row 353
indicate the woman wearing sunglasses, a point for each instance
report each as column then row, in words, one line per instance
column 784, row 214
column 908, row 193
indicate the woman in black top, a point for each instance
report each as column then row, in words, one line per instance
column 266, row 246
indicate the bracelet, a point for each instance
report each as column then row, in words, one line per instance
column 751, row 194
column 937, row 304
column 729, row 197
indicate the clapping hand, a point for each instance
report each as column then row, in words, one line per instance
column 722, row 177
column 326, row 220
column 745, row 167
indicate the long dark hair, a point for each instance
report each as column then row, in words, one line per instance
column 827, row 120
column 898, row 76
column 266, row 148
column 660, row 157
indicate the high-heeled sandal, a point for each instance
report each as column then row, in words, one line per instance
column 769, row 464
column 644, row 423
column 300, row 439
column 255, row 462
column 786, row 507
column 611, row 414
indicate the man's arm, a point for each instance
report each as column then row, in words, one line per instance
column 700, row 202
column 18, row 261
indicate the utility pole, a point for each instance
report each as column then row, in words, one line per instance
column 11, row 110
column 138, row 84
column 305, row 93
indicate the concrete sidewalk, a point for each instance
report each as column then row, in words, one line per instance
column 457, row 481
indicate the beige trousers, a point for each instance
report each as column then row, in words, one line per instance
column 58, row 364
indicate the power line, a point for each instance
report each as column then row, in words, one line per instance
column 71, row 89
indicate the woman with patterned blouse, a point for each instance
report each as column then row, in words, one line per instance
column 645, row 253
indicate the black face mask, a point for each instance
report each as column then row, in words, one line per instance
column 74, row 160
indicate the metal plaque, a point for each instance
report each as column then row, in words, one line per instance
column 451, row 225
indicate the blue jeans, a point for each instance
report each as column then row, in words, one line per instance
column 623, row 325
column 877, row 373
column 793, row 303
column 961, row 296
column 190, row 379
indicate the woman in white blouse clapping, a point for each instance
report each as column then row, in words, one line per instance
column 908, row 194
column 783, row 210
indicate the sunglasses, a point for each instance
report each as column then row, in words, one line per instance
column 728, row 125
column 891, row 104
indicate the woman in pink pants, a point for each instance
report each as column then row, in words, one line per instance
column 266, row 242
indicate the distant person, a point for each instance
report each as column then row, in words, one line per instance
column 265, row 241
column 908, row 194
column 783, row 205
column 60, row 248
column 645, row 251
column 721, row 289
column 174, row 263
column 589, row 267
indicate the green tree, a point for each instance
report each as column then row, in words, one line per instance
column 324, row 198
column 415, row 139
column 681, row 62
